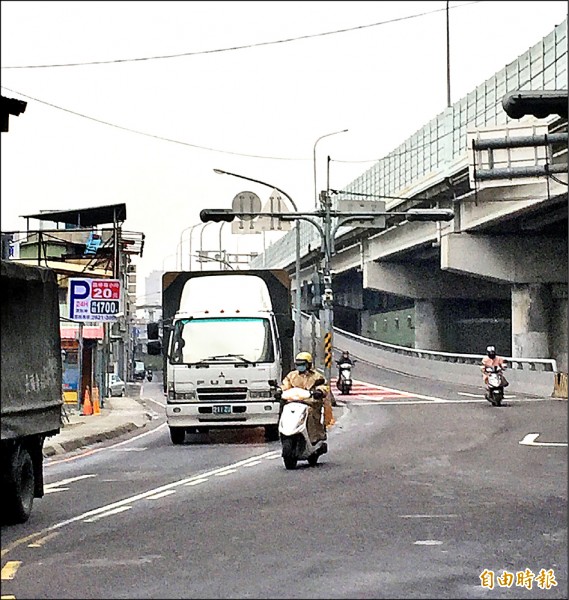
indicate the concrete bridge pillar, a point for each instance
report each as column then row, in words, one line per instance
column 531, row 318
column 364, row 323
column 429, row 325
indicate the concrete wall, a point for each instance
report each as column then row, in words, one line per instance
column 539, row 383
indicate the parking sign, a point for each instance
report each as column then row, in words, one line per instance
column 94, row 299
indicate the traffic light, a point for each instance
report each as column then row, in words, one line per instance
column 316, row 290
column 217, row 215
column 152, row 331
column 539, row 103
column 154, row 347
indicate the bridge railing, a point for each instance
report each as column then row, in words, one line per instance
column 529, row 364
column 534, row 376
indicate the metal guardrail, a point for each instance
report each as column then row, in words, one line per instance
column 527, row 364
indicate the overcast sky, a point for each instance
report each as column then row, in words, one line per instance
column 181, row 88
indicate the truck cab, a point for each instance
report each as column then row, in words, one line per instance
column 224, row 358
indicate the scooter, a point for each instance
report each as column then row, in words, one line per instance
column 344, row 381
column 495, row 385
column 293, row 431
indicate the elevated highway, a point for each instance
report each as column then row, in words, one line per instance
column 495, row 274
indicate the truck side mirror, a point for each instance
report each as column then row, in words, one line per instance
column 288, row 329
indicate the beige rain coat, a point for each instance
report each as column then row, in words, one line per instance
column 307, row 381
column 497, row 361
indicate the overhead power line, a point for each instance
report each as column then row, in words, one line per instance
column 243, row 47
column 158, row 137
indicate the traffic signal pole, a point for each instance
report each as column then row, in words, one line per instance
column 327, row 234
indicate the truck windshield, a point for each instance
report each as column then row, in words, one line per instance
column 216, row 340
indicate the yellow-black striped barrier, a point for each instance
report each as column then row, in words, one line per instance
column 560, row 385
column 328, row 350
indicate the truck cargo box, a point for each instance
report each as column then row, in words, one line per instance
column 31, row 392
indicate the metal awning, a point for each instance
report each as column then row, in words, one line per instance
column 84, row 217
column 65, row 267
column 90, row 332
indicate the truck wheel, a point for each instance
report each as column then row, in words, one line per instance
column 20, row 491
column 177, row 435
column 272, row 433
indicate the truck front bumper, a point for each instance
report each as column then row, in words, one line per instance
column 239, row 414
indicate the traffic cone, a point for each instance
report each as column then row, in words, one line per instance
column 87, row 405
column 96, row 404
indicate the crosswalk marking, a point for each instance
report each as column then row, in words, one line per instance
column 362, row 390
column 365, row 394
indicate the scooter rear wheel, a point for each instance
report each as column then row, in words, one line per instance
column 313, row 459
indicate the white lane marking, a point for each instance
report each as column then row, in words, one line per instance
column 196, row 481
column 401, row 393
column 160, row 404
column 39, row 543
column 529, row 440
column 108, row 513
column 252, row 464
column 59, row 486
column 428, row 516
column 103, row 510
column 161, row 495
column 440, row 401
column 428, row 542
column 53, row 461
column 227, row 472
column 480, row 395
column 398, row 402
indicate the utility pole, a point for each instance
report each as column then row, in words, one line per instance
column 327, row 312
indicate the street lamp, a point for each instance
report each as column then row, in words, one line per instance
column 201, row 246
column 314, row 162
column 179, row 255
column 168, row 256
column 297, row 299
column 190, row 252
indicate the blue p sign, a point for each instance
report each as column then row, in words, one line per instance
column 78, row 290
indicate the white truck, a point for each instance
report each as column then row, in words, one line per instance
column 227, row 345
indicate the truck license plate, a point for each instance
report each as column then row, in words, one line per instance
column 222, row 410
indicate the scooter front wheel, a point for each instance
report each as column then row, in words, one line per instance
column 289, row 453
column 497, row 399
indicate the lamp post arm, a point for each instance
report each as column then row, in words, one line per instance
column 221, row 172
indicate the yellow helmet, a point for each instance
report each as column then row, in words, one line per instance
column 304, row 356
column 303, row 362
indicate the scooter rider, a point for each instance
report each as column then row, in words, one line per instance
column 345, row 358
column 493, row 360
column 308, row 378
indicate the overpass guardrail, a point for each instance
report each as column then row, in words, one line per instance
column 530, row 364
column 533, row 376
